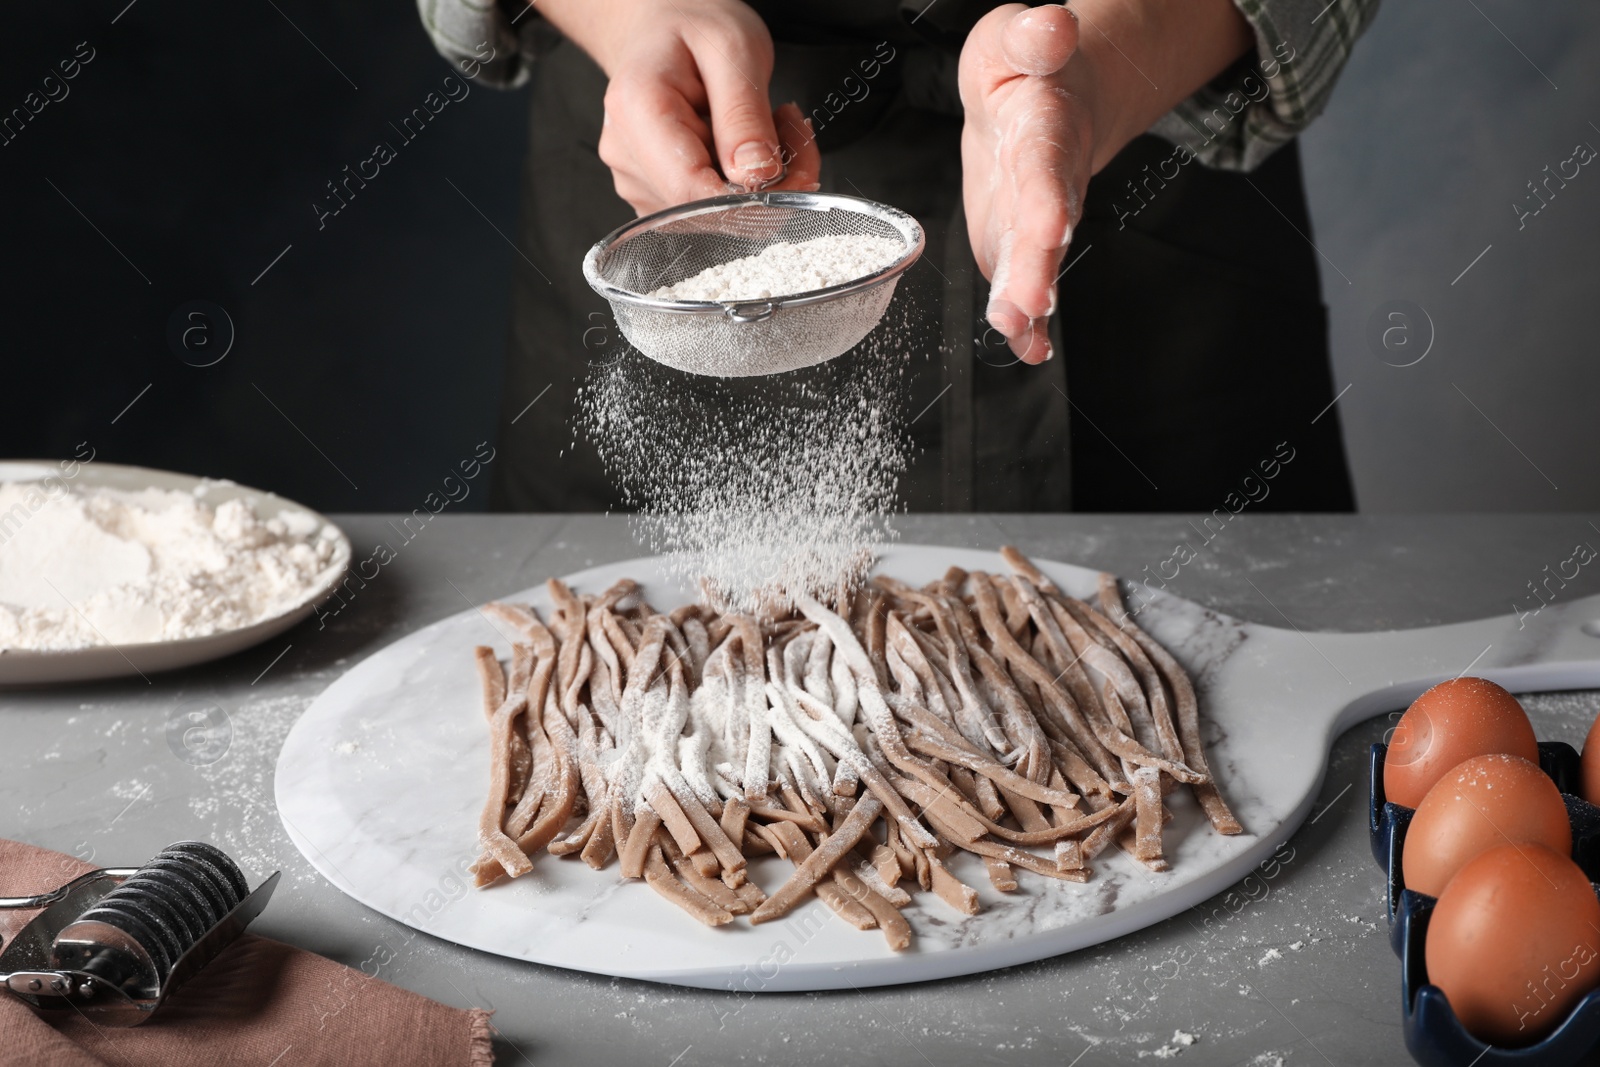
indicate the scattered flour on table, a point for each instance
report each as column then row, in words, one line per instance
column 786, row 268
column 82, row 567
column 237, row 800
column 1180, row 1041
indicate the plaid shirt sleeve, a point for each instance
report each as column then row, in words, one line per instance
column 1233, row 123
column 493, row 41
column 1260, row 103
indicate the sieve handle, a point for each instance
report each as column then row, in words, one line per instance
column 749, row 312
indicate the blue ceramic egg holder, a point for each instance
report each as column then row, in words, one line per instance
column 1434, row 1036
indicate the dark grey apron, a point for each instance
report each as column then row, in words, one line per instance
column 1192, row 334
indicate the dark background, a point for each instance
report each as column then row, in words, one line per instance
column 196, row 141
column 367, row 360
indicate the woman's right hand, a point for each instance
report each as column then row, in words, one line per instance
column 686, row 110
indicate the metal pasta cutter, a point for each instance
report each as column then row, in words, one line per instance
column 113, row 943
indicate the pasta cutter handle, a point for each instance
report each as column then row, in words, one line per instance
column 52, row 990
column 50, row 983
column 44, row 900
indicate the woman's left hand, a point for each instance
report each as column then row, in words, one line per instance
column 1026, row 154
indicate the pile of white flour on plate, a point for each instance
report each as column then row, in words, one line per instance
column 789, row 267
column 82, row 567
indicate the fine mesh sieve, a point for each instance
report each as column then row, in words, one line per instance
column 743, row 338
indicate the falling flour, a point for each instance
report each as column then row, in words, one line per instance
column 789, row 267
column 82, row 567
column 760, row 487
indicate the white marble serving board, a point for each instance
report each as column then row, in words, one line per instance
column 380, row 783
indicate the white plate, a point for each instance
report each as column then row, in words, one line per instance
column 380, row 783
column 29, row 667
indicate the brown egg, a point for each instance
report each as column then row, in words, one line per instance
column 1481, row 803
column 1591, row 764
column 1514, row 942
column 1453, row 721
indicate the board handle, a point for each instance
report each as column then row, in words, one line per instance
column 1552, row 648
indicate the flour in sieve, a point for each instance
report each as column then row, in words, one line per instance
column 789, row 267
column 82, row 567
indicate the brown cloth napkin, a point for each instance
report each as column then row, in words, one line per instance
column 260, row 1003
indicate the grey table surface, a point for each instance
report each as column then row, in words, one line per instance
column 1292, row 967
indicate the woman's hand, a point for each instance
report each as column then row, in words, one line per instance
column 1046, row 109
column 1026, row 155
column 687, row 113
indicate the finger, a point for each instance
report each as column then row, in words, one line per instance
column 1027, row 333
column 1028, row 338
column 1044, row 201
column 797, row 149
column 736, row 73
column 1039, row 40
column 1050, row 169
column 1023, row 296
column 984, row 66
column 653, row 134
